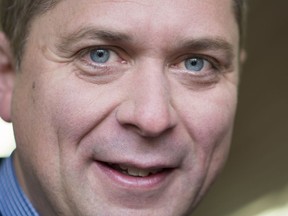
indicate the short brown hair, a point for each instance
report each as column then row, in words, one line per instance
column 16, row 16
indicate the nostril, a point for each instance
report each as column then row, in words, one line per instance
column 153, row 125
column 149, row 120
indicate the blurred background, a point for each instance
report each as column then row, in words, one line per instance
column 255, row 180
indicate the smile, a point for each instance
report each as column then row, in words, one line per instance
column 131, row 176
column 135, row 172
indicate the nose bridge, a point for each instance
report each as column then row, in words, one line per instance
column 152, row 98
column 151, row 111
column 151, row 93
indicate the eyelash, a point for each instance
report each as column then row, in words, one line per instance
column 87, row 52
column 87, row 68
column 214, row 64
column 84, row 56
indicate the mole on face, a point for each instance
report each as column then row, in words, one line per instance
column 33, row 88
column 33, row 85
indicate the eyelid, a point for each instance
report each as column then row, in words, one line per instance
column 100, row 73
column 115, row 53
column 87, row 50
column 206, row 78
column 214, row 63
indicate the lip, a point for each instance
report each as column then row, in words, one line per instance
column 150, row 182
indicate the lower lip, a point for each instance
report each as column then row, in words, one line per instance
column 149, row 182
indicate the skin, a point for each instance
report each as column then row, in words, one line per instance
column 141, row 108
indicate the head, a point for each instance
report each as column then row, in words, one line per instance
column 119, row 107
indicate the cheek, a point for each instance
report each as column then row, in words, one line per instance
column 209, row 117
column 77, row 107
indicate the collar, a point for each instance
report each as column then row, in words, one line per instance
column 13, row 201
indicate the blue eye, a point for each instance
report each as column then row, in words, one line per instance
column 194, row 64
column 100, row 55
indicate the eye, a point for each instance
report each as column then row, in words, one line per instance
column 194, row 64
column 100, row 55
column 101, row 64
column 199, row 70
column 198, row 65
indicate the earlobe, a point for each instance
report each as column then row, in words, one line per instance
column 243, row 56
column 6, row 78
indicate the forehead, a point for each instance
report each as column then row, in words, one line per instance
column 162, row 18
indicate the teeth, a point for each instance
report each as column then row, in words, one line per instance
column 132, row 171
column 123, row 167
column 137, row 172
column 144, row 173
column 155, row 171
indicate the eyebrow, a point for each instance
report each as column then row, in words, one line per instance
column 216, row 43
column 194, row 44
column 204, row 44
column 91, row 33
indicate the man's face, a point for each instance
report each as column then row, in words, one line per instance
column 125, row 107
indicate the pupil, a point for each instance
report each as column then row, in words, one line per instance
column 194, row 62
column 100, row 53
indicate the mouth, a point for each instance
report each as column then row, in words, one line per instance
column 134, row 176
column 135, row 172
column 132, row 183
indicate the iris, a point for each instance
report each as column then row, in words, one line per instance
column 100, row 55
column 194, row 64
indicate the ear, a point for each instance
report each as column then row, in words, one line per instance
column 243, row 56
column 6, row 78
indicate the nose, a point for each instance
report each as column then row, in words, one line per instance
column 148, row 109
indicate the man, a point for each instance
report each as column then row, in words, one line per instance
column 118, row 107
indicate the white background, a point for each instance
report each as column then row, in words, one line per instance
column 7, row 143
